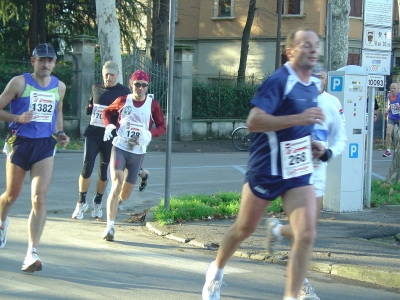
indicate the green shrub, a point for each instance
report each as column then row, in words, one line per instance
column 224, row 100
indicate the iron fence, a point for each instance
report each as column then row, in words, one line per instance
column 138, row 61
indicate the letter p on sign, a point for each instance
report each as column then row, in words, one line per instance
column 353, row 150
column 336, row 83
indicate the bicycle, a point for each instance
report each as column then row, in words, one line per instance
column 241, row 138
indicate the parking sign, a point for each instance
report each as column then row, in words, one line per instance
column 336, row 83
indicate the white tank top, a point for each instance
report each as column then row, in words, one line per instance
column 132, row 120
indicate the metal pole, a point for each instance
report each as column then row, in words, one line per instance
column 278, row 36
column 384, row 107
column 329, row 37
column 370, row 144
column 169, row 102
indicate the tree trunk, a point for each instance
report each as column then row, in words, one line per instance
column 37, row 24
column 159, row 32
column 340, row 33
column 394, row 171
column 109, row 33
column 244, row 51
column 33, row 26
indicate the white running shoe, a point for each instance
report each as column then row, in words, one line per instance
column 212, row 287
column 273, row 240
column 97, row 212
column 79, row 210
column 307, row 292
column 32, row 263
column 3, row 232
column 120, row 206
column 108, row 234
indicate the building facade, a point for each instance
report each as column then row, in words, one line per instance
column 214, row 29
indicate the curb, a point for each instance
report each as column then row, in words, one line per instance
column 374, row 275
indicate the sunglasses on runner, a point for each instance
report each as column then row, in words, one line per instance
column 143, row 85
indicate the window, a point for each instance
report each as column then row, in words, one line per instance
column 353, row 59
column 397, row 62
column 356, row 8
column 223, row 8
column 291, row 7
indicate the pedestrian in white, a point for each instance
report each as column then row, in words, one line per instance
column 333, row 128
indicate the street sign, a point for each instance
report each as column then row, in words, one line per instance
column 376, row 81
column 375, row 62
column 377, row 38
column 378, row 12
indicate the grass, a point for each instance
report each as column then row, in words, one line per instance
column 225, row 205
column 202, row 207
column 384, row 193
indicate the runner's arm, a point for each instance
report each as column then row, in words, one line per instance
column 111, row 110
column 12, row 91
column 157, row 115
column 260, row 121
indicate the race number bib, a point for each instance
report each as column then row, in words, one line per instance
column 296, row 157
column 395, row 108
column 43, row 105
column 96, row 119
column 129, row 134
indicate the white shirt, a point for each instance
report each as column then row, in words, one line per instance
column 332, row 128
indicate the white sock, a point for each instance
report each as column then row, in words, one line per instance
column 388, row 150
column 277, row 230
column 217, row 272
column 289, row 298
column 30, row 250
column 110, row 224
column 305, row 281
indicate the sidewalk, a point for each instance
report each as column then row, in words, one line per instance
column 357, row 245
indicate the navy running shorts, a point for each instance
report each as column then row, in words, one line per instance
column 270, row 187
column 25, row 152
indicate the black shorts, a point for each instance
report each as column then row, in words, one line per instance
column 24, row 152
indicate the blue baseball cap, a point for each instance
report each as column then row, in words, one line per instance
column 44, row 50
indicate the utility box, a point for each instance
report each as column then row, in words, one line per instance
column 345, row 173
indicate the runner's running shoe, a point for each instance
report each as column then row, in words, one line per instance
column 307, row 293
column 79, row 210
column 387, row 154
column 143, row 181
column 273, row 240
column 212, row 287
column 108, row 234
column 97, row 212
column 3, row 238
column 32, row 263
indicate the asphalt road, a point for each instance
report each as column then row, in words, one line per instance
column 78, row 264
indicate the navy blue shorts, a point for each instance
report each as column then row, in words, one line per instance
column 270, row 187
column 24, row 152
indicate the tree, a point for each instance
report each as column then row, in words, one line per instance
column 244, row 51
column 394, row 171
column 159, row 27
column 340, row 33
column 37, row 24
column 108, row 33
column 27, row 23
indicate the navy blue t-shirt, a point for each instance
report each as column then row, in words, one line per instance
column 281, row 94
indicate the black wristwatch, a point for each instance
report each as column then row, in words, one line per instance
column 61, row 132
